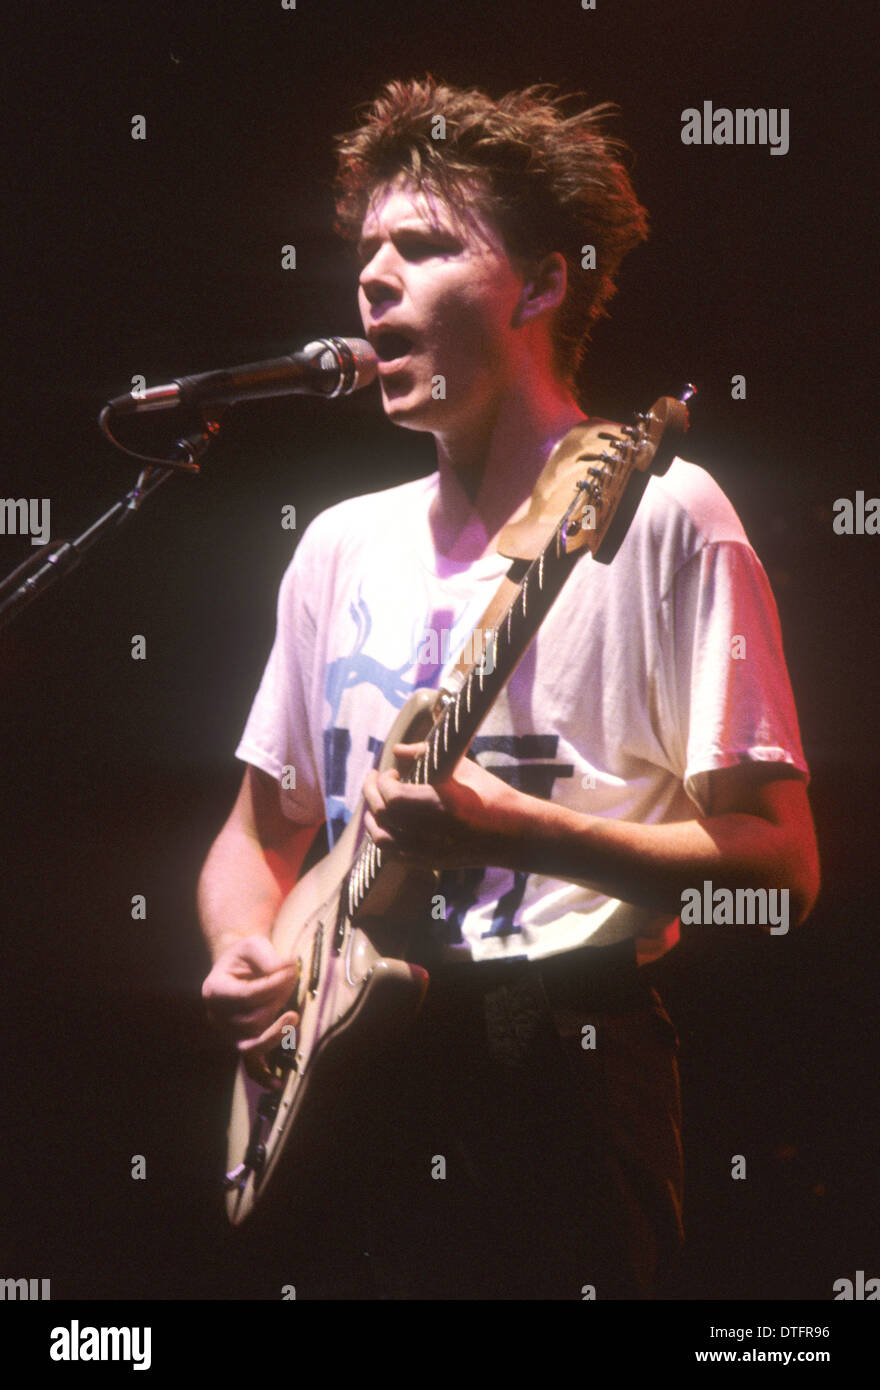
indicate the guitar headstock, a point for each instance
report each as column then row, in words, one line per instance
column 615, row 480
column 609, row 469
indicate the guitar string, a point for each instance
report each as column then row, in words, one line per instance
column 368, row 862
column 365, row 870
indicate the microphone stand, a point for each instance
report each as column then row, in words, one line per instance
column 41, row 570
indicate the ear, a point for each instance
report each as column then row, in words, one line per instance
column 543, row 290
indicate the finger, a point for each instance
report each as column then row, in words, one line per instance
column 272, row 1036
column 407, row 797
column 240, row 1028
column 372, row 793
column 242, row 1019
column 263, row 968
column 259, row 952
column 239, row 1014
column 250, row 992
column 410, row 750
column 397, row 802
column 388, row 782
column 382, row 838
column 253, row 1052
column 285, row 976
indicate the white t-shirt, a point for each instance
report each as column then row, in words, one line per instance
column 646, row 675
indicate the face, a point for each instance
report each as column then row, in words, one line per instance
column 438, row 299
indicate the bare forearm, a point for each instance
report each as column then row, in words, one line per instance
column 243, row 885
column 653, row 865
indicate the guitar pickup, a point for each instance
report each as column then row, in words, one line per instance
column 317, row 952
column 341, row 921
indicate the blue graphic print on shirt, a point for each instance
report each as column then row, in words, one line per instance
column 353, row 669
column 534, row 773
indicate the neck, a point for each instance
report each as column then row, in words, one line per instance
column 488, row 473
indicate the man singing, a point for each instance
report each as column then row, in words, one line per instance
column 647, row 742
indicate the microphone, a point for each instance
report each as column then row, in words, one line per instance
column 327, row 367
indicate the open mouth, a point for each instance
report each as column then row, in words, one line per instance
column 392, row 346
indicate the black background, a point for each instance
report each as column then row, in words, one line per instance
column 163, row 257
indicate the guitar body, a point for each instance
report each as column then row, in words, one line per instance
column 350, row 1000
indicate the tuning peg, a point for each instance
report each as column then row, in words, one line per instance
column 688, row 392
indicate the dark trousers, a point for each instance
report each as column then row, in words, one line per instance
column 503, row 1150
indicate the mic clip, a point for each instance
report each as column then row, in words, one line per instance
column 193, row 445
column 185, row 452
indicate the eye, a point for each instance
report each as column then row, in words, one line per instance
column 412, row 245
column 419, row 246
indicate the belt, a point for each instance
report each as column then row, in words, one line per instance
column 594, row 975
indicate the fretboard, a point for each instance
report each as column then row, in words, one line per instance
column 462, row 714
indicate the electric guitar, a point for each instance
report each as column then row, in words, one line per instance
column 348, row 921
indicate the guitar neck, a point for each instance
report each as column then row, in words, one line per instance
column 463, row 713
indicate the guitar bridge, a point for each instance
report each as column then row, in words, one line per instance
column 341, row 922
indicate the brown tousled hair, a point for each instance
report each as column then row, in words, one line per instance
column 548, row 182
